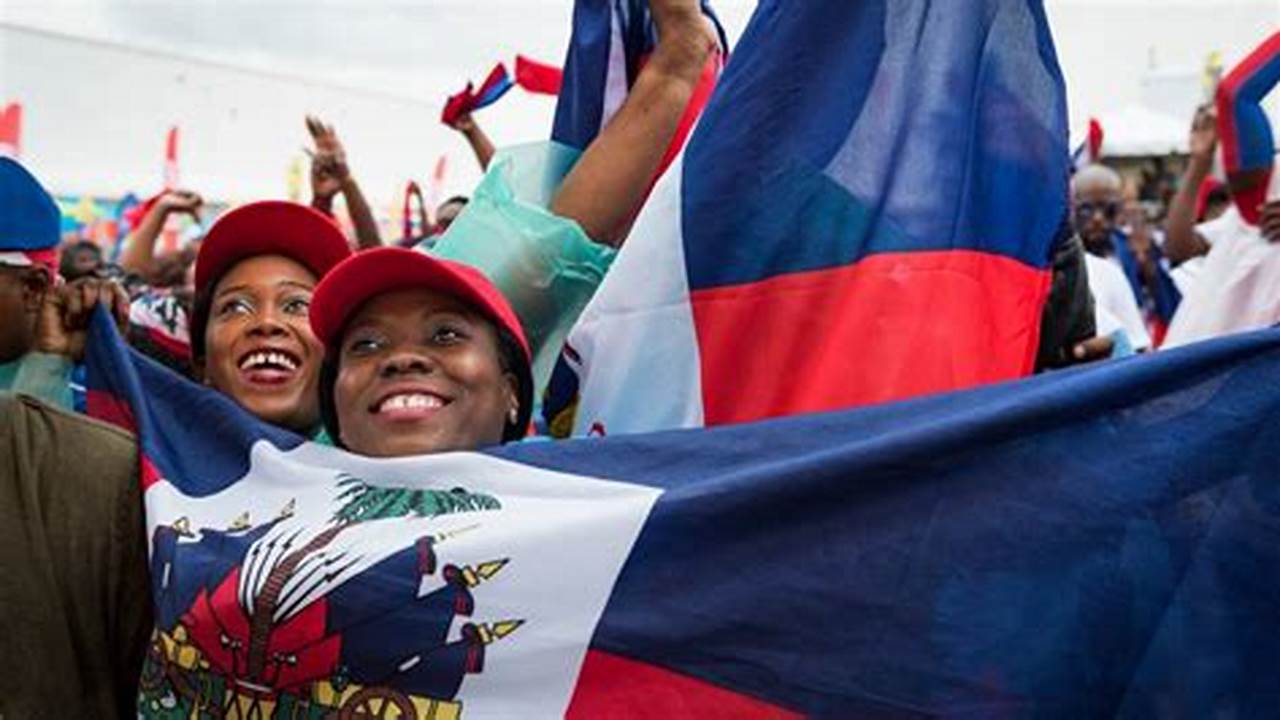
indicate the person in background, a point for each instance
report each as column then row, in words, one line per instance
column 1096, row 200
column 448, row 212
column 38, row 347
column 331, row 175
column 82, row 258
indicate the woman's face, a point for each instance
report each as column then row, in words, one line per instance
column 258, row 344
column 419, row 373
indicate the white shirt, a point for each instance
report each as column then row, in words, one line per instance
column 1228, row 224
column 1114, row 305
column 1238, row 287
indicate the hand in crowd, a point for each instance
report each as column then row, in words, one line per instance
column 685, row 38
column 181, row 201
column 64, row 317
column 1204, row 134
column 1095, row 348
column 328, row 161
column 1270, row 223
column 464, row 123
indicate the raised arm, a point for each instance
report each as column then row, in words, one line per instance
column 610, row 180
column 1182, row 242
column 330, row 175
column 140, row 246
column 480, row 143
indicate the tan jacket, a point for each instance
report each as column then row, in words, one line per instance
column 75, row 607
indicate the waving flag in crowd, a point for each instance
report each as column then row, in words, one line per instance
column 950, row 556
column 611, row 41
column 1238, row 287
column 470, row 99
column 865, row 212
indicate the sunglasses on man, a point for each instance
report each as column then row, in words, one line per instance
column 1086, row 210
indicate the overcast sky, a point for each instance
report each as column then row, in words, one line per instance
column 422, row 50
column 384, row 45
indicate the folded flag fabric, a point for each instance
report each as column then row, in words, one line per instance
column 537, row 77
column 881, row 234
column 1248, row 146
column 471, row 99
column 1097, row 542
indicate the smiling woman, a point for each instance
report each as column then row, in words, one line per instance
column 250, row 335
column 423, row 355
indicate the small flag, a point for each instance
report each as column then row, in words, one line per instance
column 538, row 77
column 471, row 99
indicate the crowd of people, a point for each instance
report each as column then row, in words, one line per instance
column 391, row 349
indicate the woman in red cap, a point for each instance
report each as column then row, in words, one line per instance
column 250, row 336
column 423, row 355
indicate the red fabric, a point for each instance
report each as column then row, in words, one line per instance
column 215, row 619
column 1202, row 196
column 1095, row 139
column 889, row 327
column 11, row 129
column 135, row 214
column 373, row 272
column 104, row 406
column 538, row 77
column 611, row 686
column 271, row 227
column 171, row 159
column 1248, row 200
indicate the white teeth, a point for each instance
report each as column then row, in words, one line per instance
column 410, row 401
column 268, row 358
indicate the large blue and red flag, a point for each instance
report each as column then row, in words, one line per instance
column 864, row 213
column 1099, row 542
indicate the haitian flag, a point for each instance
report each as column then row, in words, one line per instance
column 864, row 213
column 1101, row 541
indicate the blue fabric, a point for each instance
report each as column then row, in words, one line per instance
column 1164, row 298
column 963, row 148
column 1103, row 542
column 1096, row 542
column 29, row 218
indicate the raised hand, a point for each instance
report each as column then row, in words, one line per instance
column 1204, row 134
column 685, row 37
column 64, row 317
column 328, row 161
column 464, row 123
column 181, row 201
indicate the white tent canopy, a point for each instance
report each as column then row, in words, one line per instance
column 1138, row 131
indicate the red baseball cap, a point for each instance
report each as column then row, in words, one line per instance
column 271, row 227
column 373, row 272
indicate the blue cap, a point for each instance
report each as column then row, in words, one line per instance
column 30, row 224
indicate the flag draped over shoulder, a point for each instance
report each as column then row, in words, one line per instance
column 864, row 212
column 1097, row 542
